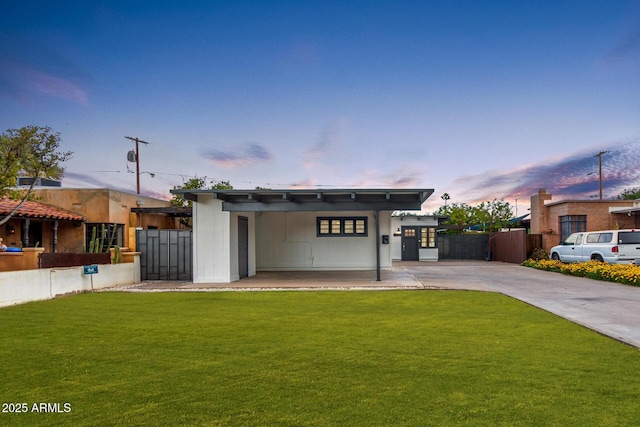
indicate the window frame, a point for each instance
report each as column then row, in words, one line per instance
column 337, row 226
column 569, row 224
column 429, row 241
column 109, row 228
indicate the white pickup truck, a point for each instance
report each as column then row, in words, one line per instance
column 612, row 246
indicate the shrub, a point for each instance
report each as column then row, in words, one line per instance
column 538, row 254
column 628, row 274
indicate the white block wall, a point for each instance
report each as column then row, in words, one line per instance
column 424, row 254
column 17, row 287
column 215, row 242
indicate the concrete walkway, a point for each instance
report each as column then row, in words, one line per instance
column 608, row 308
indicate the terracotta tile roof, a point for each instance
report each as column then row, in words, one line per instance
column 37, row 210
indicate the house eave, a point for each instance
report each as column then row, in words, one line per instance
column 313, row 200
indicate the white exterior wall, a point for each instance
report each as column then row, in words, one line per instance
column 397, row 222
column 215, row 242
column 211, row 241
column 233, row 235
column 289, row 241
column 17, row 287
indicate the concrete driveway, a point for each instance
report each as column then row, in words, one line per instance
column 608, row 308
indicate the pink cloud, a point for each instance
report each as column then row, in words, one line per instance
column 57, row 87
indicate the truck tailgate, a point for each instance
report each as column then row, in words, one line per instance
column 629, row 245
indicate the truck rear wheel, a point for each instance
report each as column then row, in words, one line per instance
column 597, row 258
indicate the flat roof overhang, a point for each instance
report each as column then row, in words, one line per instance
column 174, row 212
column 632, row 210
column 313, row 200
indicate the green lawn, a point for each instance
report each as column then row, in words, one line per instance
column 310, row 359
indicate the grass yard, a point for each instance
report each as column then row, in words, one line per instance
column 404, row 358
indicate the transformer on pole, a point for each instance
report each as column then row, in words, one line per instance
column 135, row 157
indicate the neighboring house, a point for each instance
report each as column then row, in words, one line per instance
column 555, row 221
column 98, row 206
column 239, row 232
column 414, row 237
column 37, row 224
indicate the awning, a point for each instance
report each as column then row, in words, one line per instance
column 626, row 211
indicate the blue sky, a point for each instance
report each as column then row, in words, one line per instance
column 479, row 99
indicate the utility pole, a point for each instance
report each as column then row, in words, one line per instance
column 599, row 156
column 137, row 141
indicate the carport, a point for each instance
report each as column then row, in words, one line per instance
column 239, row 232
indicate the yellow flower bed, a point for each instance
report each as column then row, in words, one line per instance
column 627, row 274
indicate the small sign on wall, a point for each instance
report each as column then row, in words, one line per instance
column 385, row 239
column 90, row 269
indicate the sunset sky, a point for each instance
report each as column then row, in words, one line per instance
column 479, row 99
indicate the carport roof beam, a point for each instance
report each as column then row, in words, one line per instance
column 313, row 200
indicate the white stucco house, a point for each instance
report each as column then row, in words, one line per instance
column 414, row 237
column 239, row 232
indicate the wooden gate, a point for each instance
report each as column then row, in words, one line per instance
column 164, row 254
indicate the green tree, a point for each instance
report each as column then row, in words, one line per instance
column 460, row 214
column 493, row 215
column 488, row 215
column 31, row 151
column 196, row 183
column 630, row 194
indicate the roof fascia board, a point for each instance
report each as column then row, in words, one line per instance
column 319, row 206
column 311, row 200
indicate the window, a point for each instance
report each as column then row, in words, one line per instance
column 599, row 237
column 572, row 224
column 111, row 234
column 632, row 237
column 428, row 237
column 341, row 226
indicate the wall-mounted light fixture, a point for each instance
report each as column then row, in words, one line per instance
column 11, row 229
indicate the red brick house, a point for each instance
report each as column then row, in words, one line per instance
column 555, row 220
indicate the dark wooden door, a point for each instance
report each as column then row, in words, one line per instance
column 243, row 247
column 410, row 243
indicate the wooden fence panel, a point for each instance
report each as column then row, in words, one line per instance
column 509, row 246
column 61, row 259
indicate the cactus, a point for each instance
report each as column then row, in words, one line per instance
column 100, row 247
column 98, row 240
column 117, row 255
column 92, row 243
column 113, row 237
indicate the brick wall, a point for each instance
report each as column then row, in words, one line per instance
column 545, row 217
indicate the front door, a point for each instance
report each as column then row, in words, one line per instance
column 410, row 243
column 243, row 247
